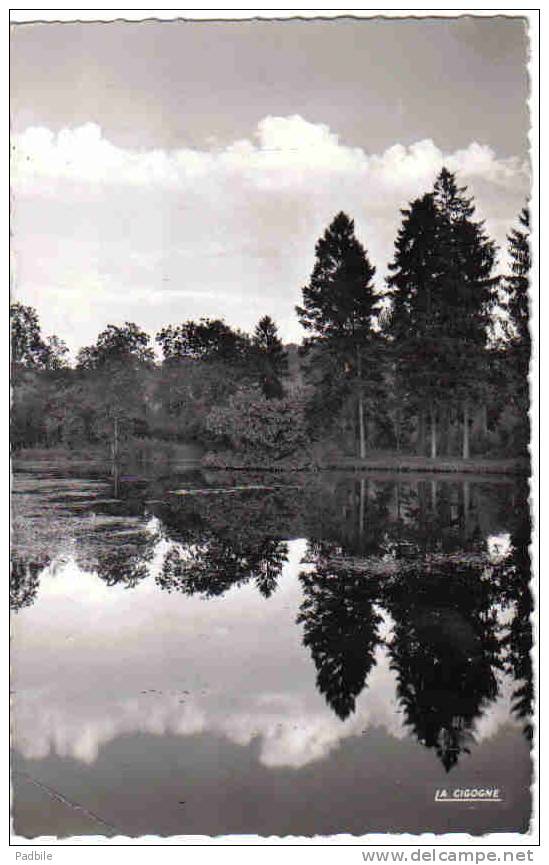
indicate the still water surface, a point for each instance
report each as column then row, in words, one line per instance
column 201, row 654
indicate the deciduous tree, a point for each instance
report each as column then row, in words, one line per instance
column 117, row 345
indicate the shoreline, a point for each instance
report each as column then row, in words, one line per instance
column 439, row 465
column 510, row 467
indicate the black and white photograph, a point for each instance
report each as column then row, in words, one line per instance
column 272, row 351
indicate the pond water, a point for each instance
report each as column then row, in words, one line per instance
column 206, row 654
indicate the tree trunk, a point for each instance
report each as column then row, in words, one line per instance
column 361, row 509
column 370, row 433
column 444, row 433
column 421, row 434
column 465, row 453
column 466, row 508
column 115, row 478
column 361, row 432
column 397, row 430
column 115, row 439
column 114, row 455
column 433, row 495
column 433, row 433
column 466, row 498
column 484, row 419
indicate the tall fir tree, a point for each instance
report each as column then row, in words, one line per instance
column 516, row 348
column 468, row 291
column 339, row 310
column 416, row 313
column 516, row 287
column 442, row 290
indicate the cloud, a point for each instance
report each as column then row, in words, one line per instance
column 283, row 147
column 226, row 232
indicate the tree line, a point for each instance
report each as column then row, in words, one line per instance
column 436, row 364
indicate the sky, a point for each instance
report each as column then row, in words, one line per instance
column 170, row 170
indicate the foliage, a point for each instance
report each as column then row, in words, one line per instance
column 515, row 351
column 259, row 359
column 28, row 348
column 467, row 285
column 258, row 428
column 269, row 358
column 185, row 392
column 442, row 292
column 117, row 345
column 208, row 339
column 516, row 286
column 339, row 310
column 339, row 302
column 425, row 361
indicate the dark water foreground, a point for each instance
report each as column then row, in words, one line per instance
column 308, row 656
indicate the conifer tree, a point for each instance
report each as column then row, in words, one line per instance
column 442, row 291
column 516, row 348
column 270, row 357
column 467, row 286
column 416, row 314
column 516, row 286
column 339, row 309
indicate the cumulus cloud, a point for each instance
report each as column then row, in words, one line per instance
column 282, row 146
column 161, row 235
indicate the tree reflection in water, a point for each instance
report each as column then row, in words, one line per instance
column 432, row 572
column 417, row 550
column 445, row 652
column 24, row 581
column 340, row 628
column 513, row 578
column 221, row 540
column 127, row 564
column 212, row 566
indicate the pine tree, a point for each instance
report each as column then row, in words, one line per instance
column 442, row 292
column 270, row 357
column 416, row 314
column 339, row 309
column 467, row 286
column 516, row 348
column 516, row 286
